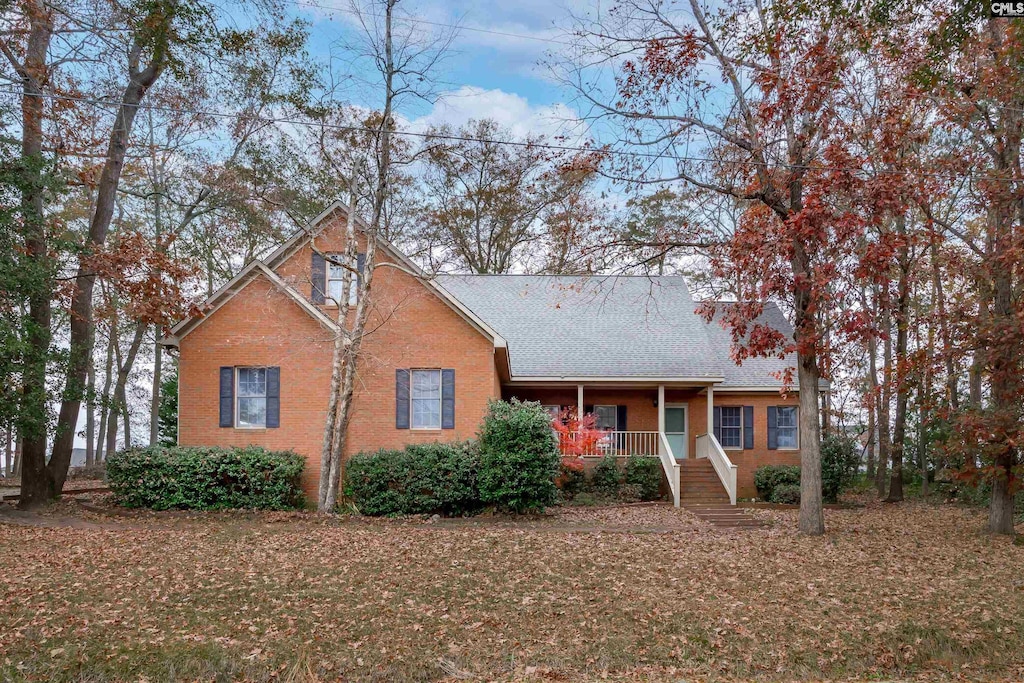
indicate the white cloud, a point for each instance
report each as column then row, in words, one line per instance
column 510, row 110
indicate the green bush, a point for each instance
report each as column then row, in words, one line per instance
column 420, row 479
column 644, row 474
column 787, row 494
column 518, row 457
column 606, row 479
column 839, row 463
column 769, row 477
column 197, row 478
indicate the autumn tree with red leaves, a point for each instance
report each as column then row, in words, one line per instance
column 741, row 101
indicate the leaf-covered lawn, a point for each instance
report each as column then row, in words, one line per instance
column 905, row 591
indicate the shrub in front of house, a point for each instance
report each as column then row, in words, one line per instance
column 606, row 479
column 770, row 477
column 839, row 463
column 644, row 475
column 206, row 478
column 786, row 494
column 419, row 479
column 519, row 457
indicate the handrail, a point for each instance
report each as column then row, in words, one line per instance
column 671, row 466
column 708, row 447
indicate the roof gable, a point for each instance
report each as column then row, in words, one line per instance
column 252, row 270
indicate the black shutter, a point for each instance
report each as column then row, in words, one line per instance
column 587, row 410
column 717, row 410
column 273, row 397
column 318, row 276
column 227, row 396
column 401, row 399
column 360, row 265
column 620, row 424
column 447, row 398
column 773, row 428
column 748, row 427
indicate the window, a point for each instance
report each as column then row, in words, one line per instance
column 732, row 427
column 554, row 411
column 786, row 424
column 426, row 399
column 252, row 397
column 607, row 417
column 335, row 281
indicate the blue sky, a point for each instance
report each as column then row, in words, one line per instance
column 494, row 68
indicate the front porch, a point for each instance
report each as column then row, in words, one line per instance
column 673, row 422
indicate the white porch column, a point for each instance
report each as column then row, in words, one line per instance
column 579, row 401
column 711, row 409
column 661, row 416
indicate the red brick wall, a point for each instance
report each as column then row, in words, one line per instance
column 642, row 415
column 411, row 328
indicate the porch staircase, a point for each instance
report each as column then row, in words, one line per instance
column 702, row 493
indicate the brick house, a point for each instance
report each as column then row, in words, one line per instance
column 255, row 365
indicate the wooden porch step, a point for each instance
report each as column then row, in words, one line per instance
column 726, row 517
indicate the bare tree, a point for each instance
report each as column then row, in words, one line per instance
column 404, row 60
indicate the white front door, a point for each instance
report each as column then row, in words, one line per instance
column 675, row 429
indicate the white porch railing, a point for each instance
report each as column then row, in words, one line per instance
column 708, row 447
column 594, row 444
column 671, row 467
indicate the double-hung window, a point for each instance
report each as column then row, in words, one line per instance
column 251, row 397
column 607, row 417
column 732, row 427
column 426, row 399
column 787, row 427
column 335, row 281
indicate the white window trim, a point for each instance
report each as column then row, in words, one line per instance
column 440, row 400
column 742, row 435
column 238, row 396
column 796, row 429
column 607, row 405
column 353, row 293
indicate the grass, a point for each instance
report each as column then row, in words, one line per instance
column 910, row 591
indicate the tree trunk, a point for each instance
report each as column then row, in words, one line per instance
column 120, row 398
column 884, row 406
column 902, row 385
column 327, row 494
column 37, row 486
column 812, row 517
column 872, row 380
column 82, row 327
column 90, row 416
column 105, row 396
column 154, row 406
column 8, row 451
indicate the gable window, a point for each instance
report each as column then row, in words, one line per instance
column 607, row 417
column 787, row 427
column 426, row 399
column 335, row 281
column 732, row 427
column 251, row 398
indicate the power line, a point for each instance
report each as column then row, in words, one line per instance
column 513, row 143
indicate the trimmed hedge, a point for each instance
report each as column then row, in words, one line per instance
column 606, row 479
column 206, row 478
column 770, row 477
column 786, row 494
column 423, row 478
column 519, row 457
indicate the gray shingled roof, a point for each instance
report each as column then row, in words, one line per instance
column 604, row 326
